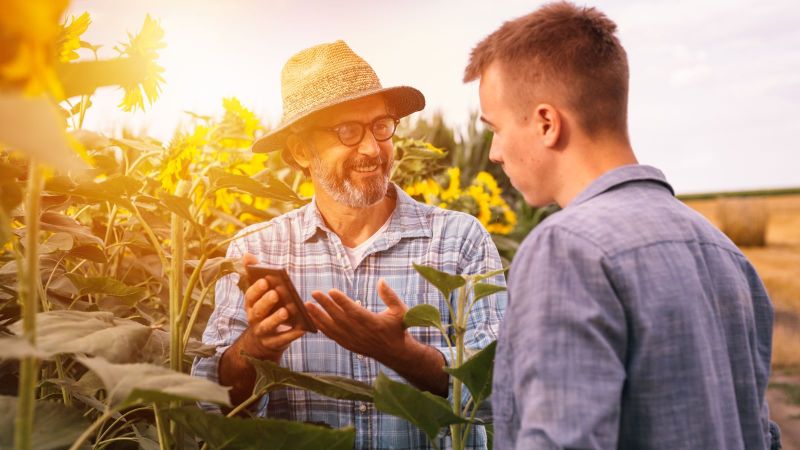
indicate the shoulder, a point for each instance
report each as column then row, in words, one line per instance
column 621, row 221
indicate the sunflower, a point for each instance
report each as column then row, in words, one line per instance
column 144, row 47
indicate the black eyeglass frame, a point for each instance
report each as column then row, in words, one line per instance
column 362, row 126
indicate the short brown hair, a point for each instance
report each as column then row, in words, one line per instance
column 571, row 51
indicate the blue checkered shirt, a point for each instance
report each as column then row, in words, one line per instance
column 315, row 258
column 633, row 324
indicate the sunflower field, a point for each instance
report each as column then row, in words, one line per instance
column 111, row 245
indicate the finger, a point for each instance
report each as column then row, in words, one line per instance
column 255, row 292
column 331, row 307
column 390, row 297
column 249, row 258
column 282, row 340
column 268, row 325
column 322, row 320
column 347, row 304
column 263, row 306
column 246, row 260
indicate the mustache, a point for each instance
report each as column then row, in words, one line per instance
column 364, row 161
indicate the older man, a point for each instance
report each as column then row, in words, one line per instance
column 633, row 322
column 352, row 250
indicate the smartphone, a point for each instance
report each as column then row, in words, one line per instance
column 279, row 280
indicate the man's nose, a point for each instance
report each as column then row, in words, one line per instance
column 495, row 154
column 369, row 146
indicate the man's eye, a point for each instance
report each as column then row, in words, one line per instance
column 348, row 129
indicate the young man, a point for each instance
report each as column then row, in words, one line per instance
column 632, row 322
column 352, row 250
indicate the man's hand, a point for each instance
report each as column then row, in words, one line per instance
column 380, row 336
column 264, row 337
column 267, row 335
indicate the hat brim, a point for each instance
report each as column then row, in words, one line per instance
column 400, row 100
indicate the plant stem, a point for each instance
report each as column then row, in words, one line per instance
column 246, row 403
column 163, row 437
column 89, row 431
column 176, row 312
column 28, row 291
column 187, row 295
column 187, row 332
column 456, row 430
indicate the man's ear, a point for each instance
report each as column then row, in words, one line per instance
column 548, row 123
column 299, row 151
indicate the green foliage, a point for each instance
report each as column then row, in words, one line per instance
column 271, row 376
column 476, row 373
column 430, row 413
column 133, row 384
column 267, row 434
column 55, row 426
column 444, row 282
column 483, row 290
column 423, row 316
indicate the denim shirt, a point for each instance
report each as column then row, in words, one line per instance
column 632, row 323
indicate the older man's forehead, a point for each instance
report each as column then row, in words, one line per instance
column 363, row 109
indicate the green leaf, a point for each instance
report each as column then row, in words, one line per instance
column 57, row 222
column 485, row 289
column 444, row 282
column 426, row 411
column 476, row 373
column 215, row 268
column 96, row 333
column 177, row 205
column 133, row 384
column 90, row 252
column 232, row 433
column 116, row 189
column 423, row 316
column 140, row 145
column 56, row 242
column 270, row 188
column 18, row 347
column 270, row 375
column 490, row 274
column 106, row 286
column 54, row 427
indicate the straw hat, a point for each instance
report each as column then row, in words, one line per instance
column 326, row 75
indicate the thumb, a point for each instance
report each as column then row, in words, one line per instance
column 390, row 298
column 249, row 258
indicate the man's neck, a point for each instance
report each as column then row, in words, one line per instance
column 592, row 160
column 355, row 225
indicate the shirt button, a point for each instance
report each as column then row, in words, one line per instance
column 360, row 357
column 362, row 408
column 359, row 303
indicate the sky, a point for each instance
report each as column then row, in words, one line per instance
column 714, row 85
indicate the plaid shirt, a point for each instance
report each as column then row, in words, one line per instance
column 315, row 258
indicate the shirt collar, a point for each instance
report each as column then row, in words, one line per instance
column 408, row 217
column 621, row 175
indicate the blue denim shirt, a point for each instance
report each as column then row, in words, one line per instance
column 632, row 323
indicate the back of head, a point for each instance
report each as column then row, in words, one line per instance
column 562, row 54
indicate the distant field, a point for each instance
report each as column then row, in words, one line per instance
column 778, row 264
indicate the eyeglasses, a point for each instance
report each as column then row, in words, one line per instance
column 352, row 133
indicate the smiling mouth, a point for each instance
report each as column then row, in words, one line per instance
column 366, row 169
